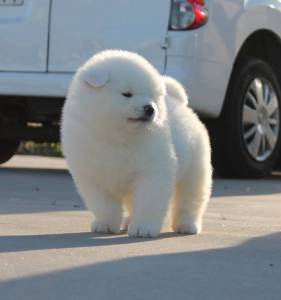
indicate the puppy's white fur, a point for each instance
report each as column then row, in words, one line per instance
column 120, row 162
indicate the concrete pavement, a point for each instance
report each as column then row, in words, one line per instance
column 47, row 252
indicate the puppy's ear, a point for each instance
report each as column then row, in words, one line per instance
column 96, row 78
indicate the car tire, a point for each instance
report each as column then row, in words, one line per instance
column 247, row 136
column 7, row 149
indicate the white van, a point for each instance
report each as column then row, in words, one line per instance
column 226, row 53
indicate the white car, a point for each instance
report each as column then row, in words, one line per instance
column 226, row 53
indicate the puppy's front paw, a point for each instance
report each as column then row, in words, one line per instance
column 187, row 227
column 143, row 230
column 104, row 227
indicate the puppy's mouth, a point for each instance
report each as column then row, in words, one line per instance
column 139, row 119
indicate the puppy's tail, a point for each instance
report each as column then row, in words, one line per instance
column 175, row 90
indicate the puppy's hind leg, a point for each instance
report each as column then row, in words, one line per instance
column 106, row 209
column 190, row 203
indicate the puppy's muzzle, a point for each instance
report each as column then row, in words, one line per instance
column 148, row 113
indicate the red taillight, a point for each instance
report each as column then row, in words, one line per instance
column 188, row 14
column 199, row 2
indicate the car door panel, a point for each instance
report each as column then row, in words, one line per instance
column 24, row 35
column 81, row 28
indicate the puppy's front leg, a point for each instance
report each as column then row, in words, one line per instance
column 152, row 195
column 106, row 209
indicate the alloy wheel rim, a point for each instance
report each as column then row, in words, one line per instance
column 260, row 119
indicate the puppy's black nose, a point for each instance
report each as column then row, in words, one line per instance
column 148, row 110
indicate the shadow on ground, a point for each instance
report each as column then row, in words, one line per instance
column 37, row 190
column 247, row 187
column 250, row 271
column 19, row 243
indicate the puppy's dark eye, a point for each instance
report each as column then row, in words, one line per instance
column 127, row 94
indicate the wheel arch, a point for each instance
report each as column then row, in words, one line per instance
column 263, row 44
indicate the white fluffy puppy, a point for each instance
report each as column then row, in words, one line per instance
column 131, row 142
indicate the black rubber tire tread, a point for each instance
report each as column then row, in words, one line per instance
column 7, row 149
column 231, row 157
